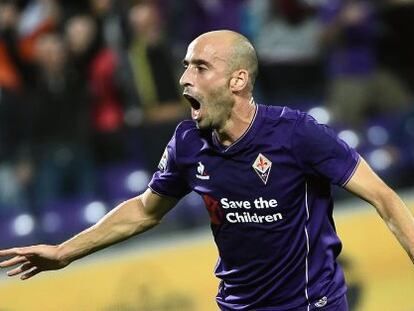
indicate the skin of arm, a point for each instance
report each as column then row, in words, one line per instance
column 368, row 186
column 129, row 218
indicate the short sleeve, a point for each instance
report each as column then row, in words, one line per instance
column 169, row 179
column 319, row 151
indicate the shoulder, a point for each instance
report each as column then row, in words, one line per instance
column 185, row 130
column 292, row 125
column 188, row 139
column 284, row 115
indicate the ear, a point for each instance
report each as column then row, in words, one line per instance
column 239, row 80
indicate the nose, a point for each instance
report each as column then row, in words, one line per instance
column 185, row 79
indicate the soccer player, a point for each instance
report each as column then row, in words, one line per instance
column 264, row 174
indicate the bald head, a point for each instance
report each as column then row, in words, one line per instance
column 239, row 53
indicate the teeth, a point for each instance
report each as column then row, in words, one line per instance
column 195, row 114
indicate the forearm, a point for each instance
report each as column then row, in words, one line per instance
column 368, row 186
column 399, row 220
column 124, row 221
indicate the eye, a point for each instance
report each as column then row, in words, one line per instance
column 201, row 68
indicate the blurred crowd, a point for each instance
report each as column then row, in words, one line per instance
column 89, row 85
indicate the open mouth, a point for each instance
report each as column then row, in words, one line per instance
column 195, row 104
column 195, row 107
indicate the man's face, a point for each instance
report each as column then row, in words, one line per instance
column 206, row 82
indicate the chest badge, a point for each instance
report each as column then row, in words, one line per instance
column 262, row 166
column 201, row 170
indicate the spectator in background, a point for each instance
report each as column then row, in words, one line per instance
column 359, row 87
column 20, row 27
column 97, row 65
column 10, row 77
column 38, row 17
column 151, row 65
column 15, row 169
column 110, row 18
column 83, row 43
column 60, row 114
column 153, row 91
column 285, row 33
column 205, row 16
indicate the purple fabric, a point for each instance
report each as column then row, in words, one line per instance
column 268, row 196
column 355, row 54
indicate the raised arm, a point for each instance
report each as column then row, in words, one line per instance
column 124, row 221
column 368, row 186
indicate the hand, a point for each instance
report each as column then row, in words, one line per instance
column 32, row 260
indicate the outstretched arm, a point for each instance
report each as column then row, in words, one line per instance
column 368, row 186
column 127, row 219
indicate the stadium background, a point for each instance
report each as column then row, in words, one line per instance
column 89, row 97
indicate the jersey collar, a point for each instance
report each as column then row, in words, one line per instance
column 244, row 140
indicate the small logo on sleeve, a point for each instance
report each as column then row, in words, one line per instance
column 262, row 166
column 164, row 160
column 321, row 302
column 201, row 172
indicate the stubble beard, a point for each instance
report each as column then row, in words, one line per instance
column 218, row 111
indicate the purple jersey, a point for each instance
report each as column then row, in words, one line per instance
column 269, row 200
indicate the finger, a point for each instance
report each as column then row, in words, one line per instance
column 29, row 250
column 30, row 273
column 24, row 267
column 13, row 261
column 8, row 252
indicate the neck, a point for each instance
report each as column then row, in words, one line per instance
column 240, row 119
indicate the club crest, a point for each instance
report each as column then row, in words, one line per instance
column 262, row 166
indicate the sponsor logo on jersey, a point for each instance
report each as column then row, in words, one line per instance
column 164, row 160
column 321, row 302
column 201, row 172
column 244, row 211
column 262, row 166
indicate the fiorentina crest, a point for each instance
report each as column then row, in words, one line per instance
column 262, row 166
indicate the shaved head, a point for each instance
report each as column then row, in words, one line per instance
column 240, row 52
column 220, row 70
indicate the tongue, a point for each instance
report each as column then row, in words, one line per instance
column 195, row 114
